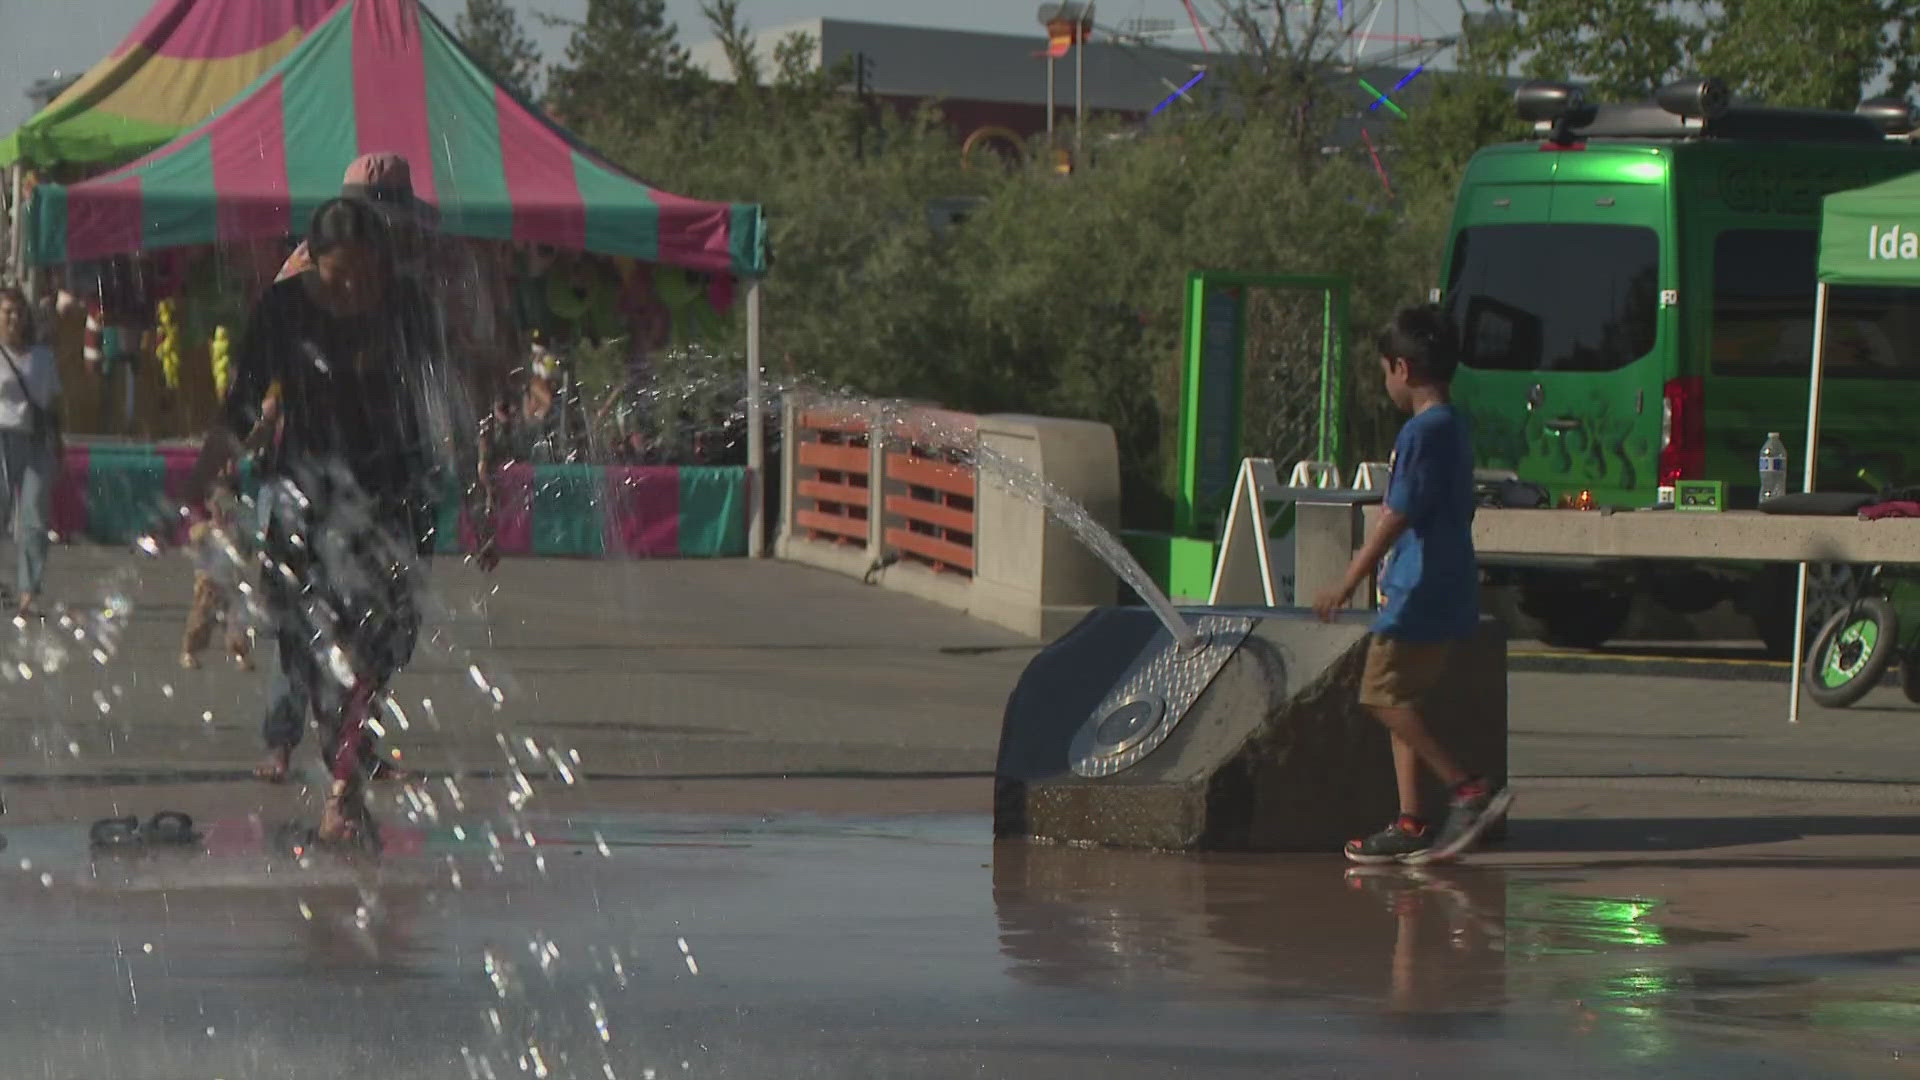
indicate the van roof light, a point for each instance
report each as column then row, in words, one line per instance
column 1895, row 116
column 1544, row 102
column 1695, row 99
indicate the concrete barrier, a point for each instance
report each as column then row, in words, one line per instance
column 899, row 501
column 1733, row 536
column 1274, row 754
column 1327, row 538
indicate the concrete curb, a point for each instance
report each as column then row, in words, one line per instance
column 1877, row 791
column 1758, row 671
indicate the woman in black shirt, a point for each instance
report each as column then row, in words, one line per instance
column 339, row 364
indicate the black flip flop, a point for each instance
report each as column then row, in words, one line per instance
column 120, row 832
column 170, row 827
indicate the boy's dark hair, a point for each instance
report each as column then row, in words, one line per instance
column 1423, row 336
column 341, row 221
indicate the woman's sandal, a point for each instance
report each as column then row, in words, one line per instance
column 275, row 768
column 345, row 820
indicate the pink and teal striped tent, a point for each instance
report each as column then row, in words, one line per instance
column 386, row 76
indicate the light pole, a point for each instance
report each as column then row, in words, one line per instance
column 1068, row 24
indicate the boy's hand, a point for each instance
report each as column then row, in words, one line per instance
column 1332, row 599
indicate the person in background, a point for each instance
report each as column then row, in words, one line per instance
column 30, row 443
column 222, row 557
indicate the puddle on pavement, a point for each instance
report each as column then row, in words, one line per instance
column 610, row 945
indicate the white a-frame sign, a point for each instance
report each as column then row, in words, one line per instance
column 1254, row 568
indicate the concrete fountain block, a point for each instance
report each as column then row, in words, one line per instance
column 1274, row 755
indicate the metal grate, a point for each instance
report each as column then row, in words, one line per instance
column 1285, row 387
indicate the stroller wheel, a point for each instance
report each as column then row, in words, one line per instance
column 1852, row 652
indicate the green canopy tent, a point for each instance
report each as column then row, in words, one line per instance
column 1869, row 236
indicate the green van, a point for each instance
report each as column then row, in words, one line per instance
column 1635, row 298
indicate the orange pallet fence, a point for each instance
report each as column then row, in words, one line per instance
column 833, row 484
column 933, row 508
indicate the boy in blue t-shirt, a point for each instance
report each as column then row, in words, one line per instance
column 1430, row 587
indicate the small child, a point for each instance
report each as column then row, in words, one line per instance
column 1430, row 588
column 220, row 552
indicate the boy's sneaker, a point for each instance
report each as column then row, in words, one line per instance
column 1476, row 805
column 1395, row 843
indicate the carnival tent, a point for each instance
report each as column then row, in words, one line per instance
column 1868, row 236
column 386, row 76
column 184, row 60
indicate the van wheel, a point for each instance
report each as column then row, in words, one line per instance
column 1580, row 618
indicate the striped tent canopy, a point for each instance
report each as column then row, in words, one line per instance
column 185, row 60
column 385, row 76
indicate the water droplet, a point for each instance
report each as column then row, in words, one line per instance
column 599, row 1015
column 147, row 948
column 305, row 911
column 46, row 881
column 26, row 864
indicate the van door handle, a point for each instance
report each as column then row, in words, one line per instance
column 1562, row 425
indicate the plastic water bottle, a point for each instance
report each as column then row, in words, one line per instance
column 1773, row 467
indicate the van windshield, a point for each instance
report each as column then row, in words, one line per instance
column 1763, row 291
column 1555, row 297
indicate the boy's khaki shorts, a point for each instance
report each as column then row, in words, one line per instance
column 1400, row 674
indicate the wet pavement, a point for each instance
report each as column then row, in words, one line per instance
column 774, row 861
column 594, row 941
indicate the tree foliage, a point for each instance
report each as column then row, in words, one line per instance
column 624, row 62
column 1804, row 53
column 492, row 33
column 1813, row 53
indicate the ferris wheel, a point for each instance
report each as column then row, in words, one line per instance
column 1368, row 32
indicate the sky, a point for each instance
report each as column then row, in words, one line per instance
column 39, row 37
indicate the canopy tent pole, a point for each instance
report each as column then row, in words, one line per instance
column 1813, row 443
column 16, row 223
column 756, row 432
